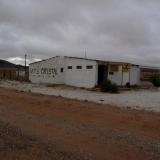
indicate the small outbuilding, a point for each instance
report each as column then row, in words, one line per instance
column 7, row 70
column 147, row 73
column 12, row 71
column 80, row 72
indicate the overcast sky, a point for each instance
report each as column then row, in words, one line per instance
column 119, row 30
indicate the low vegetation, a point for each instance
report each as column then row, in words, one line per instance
column 133, row 87
column 109, row 87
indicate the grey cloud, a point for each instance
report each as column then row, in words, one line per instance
column 126, row 30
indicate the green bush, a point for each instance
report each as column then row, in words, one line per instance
column 109, row 87
column 156, row 80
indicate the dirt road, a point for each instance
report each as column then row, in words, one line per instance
column 46, row 127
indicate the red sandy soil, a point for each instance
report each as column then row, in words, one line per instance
column 42, row 127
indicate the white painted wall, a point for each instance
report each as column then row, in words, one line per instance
column 135, row 75
column 125, row 78
column 116, row 77
column 81, row 77
column 74, row 77
column 47, row 71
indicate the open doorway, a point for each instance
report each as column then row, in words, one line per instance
column 102, row 74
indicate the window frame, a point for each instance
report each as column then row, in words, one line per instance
column 70, row 67
column 89, row 67
column 78, row 67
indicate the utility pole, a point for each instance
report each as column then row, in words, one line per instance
column 25, row 65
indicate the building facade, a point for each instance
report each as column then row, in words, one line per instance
column 148, row 72
column 81, row 72
column 9, row 71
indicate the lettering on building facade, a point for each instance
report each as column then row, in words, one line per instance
column 44, row 71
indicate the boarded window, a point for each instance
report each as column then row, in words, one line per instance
column 111, row 73
column 79, row 67
column 70, row 67
column 114, row 68
column 89, row 67
column 126, row 68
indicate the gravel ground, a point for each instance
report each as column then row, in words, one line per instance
column 41, row 127
column 15, row 145
column 142, row 99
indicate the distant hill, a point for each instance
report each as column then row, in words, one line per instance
column 6, row 64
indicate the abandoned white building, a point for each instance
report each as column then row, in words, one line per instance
column 81, row 72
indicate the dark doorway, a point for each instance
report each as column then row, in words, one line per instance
column 4, row 75
column 102, row 74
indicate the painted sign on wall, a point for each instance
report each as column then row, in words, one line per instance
column 44, row 71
